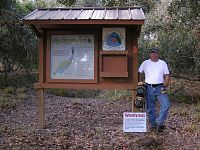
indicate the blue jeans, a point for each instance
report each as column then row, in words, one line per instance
column 153, row 94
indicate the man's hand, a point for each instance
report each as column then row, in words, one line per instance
column 140, row 83
column 163, row 90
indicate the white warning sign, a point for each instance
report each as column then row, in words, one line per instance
column 134, row 122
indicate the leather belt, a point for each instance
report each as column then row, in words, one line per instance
column 155, row 85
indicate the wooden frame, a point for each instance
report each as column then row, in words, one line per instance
column 104, row 79
column 48, row 57
column 86, row 22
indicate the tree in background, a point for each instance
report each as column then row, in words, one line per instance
column 186, row 15
column 67, row 3
column 169, row 27
column 17, row 42
column 146, row 5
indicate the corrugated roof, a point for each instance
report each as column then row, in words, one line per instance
column 87, row 13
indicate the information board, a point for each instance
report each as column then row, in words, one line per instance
column 134, row 122
column 72, row 57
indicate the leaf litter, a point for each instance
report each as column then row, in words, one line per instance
column 84, row 123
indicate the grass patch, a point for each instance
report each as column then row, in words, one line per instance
column 87, row 93
column 196, row 117
column 2, row 130
column 18, row 79
column 22, row 89
column 197, row 107
column 191, row 128
column 114, row 94
column 10, row 97
column 9, row 90
column 79, row 93
column 183, row 113
column 182, row 97
column 6, row 103
column 21, row 96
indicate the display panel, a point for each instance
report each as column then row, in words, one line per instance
column 113, row 39
column 72, row 57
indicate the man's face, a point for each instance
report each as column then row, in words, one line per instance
column 154, row 56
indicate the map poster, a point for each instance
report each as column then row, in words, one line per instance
column 134, row 122
column 113, row 39
column 72, row 57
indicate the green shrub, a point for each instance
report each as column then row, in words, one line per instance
column 191, row 128
column 197, row 107
column 9, row 90
column 196, row 117
column 79, row 93
column 183, row 97
column 2, row 129
column 184, row 112
column 18, row 80
column 114, row 94
column 21, row 95
column 22, row 90
column 6, row 103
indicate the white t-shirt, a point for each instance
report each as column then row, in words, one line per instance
column 154, row 71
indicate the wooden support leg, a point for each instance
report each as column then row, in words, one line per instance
column 134, row 109
column 41, row 108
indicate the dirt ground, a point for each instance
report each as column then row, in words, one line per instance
column 93, row 124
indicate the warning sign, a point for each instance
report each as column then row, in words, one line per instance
column 134, row 122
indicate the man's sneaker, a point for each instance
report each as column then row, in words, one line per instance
column 160, row 128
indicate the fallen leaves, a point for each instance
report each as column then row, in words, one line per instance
column 92, row 124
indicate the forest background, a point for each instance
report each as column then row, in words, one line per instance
column 173, row 26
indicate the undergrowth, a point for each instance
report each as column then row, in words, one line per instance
column 79, row 93
column 10, row 97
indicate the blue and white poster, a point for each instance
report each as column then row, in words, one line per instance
column 72, row 57
column 113, row 39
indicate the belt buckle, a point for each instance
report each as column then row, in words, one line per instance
column 154, row 85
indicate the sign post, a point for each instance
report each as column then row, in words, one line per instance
column 41, row 108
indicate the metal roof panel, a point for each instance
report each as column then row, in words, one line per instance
column 72, row 14
column 48, row 14
column 35, row 15
column 111, row 14
column 98, row 14
column 124, row 14
column 59, row 14
column 87, row 13
column 137, row 14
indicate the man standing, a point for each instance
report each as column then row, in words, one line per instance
column 154, row 73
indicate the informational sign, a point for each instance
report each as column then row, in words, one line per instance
column 72, row 56
column 134, row 122
column 113, row 39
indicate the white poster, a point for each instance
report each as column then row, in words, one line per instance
column 72, row 57
column 134, row 122
column 113, row 39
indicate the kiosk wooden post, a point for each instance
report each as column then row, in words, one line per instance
column 135, row 68
column 41, row 108
column 134, row 109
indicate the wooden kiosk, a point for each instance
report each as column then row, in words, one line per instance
column 88, row 48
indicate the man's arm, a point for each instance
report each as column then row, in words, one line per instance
column 140, row 78
column 166, row 80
